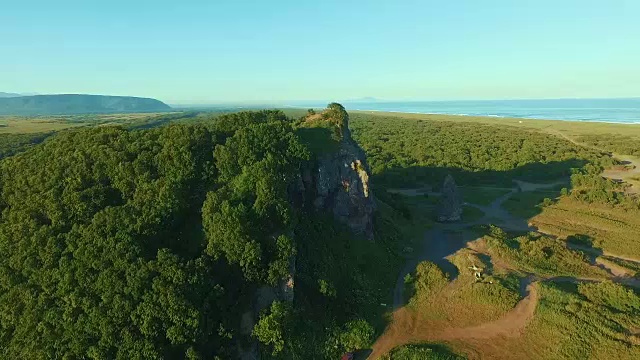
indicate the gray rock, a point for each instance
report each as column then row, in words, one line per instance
column 450, row 206
column 342, row 185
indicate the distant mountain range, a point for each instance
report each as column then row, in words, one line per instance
column 16, row 104
column 8, row 95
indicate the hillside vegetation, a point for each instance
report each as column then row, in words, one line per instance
column 566, row 259
column 405, row 152
column 153, row 243
column 136, row 240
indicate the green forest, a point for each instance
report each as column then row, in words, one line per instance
column 154, row 240
column 409, row 153
column 151, row 243
column 404, row 153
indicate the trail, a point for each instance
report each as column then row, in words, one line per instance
column 439, row 242
column 406, row 328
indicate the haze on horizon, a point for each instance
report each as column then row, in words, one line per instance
column 275, row 51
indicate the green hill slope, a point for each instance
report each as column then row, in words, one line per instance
column 78, row 104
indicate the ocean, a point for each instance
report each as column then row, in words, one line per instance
column 625, row 111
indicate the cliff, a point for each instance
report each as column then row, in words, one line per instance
column 339, row 179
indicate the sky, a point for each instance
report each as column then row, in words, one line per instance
column 222, row 51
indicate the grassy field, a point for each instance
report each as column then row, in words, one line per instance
column 612, row 229
column 528, row 204
column 28, row 126
column 573, row 321
column 482, row 195
column 423, row 352
column 541, row 255
column 470, row 213
column 567, row 310
column 463, row 301
column 38, row 124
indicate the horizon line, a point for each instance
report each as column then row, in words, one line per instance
column 369, row 100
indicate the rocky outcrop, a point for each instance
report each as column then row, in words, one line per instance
column 340, row 179
column 450, row 207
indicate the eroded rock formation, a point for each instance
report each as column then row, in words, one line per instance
column 340, row 179
column 450, row 207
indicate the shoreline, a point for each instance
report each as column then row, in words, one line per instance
column 551, row 126
column 492, row 116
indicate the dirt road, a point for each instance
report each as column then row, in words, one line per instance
column 446, row 239
column 406, row 328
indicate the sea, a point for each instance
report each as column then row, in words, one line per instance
column 626, row 111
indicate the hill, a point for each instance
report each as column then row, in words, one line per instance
column 77, row 104
column 185, row 242
column 8, row 95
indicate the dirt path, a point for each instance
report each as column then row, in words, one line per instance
column 407, row 329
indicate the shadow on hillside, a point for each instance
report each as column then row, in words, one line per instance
column 541, row 181
column 585, row 244
column 512, row 207
column 416, row 176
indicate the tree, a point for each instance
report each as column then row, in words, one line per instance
column 357, row 334
column 248, row 217
column 271, row 329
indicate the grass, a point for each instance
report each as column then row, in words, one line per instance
column 582, row 320
column 576, row 322
column 630, row 265
column 612, row 229
column 38, row 124
column 464, row 301
column 29, row 126
column 527, row 204
column 482, row 195
column 470, row 213
column 541, row 255
column 422, row 352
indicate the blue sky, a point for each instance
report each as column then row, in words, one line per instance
column 251, row 51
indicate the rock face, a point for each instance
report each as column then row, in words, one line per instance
column 450, row 207
column 341, row 180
